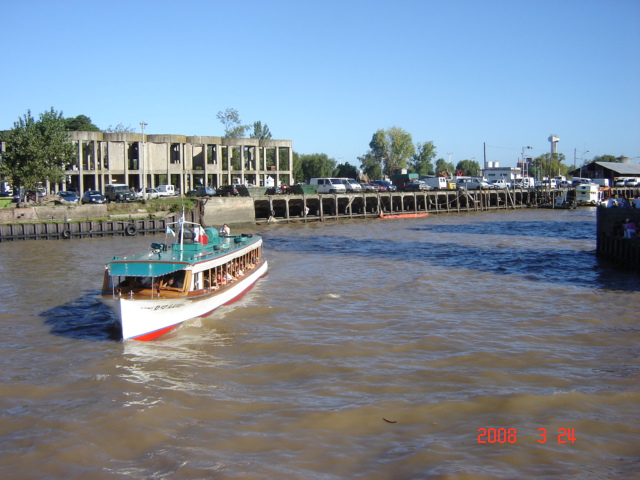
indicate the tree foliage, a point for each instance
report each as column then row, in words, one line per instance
column 371, row 166
column 37, row 150
column 345, row 170
column 471, row 168
column 233, row 127
column 549, row 165
column 443, row 166
column 81, row 123
column 421, row 161
column 260, row 131
column 604, row 158
column 393, row 148
column 120, row 128
column 316, row 165
column 298, row 174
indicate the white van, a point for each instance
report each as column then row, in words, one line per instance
column 437, row 183
column 351, row 185
column 472, row 183
column 328, row 185
column 619, row 182
column 603, row 182
column 166, row 190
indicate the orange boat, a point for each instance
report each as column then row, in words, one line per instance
column 403, row 215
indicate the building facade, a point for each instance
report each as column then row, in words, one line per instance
column 185, row 162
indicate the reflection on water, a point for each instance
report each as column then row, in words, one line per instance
column 443, row 325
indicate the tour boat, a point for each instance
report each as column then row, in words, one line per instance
column 154, row 291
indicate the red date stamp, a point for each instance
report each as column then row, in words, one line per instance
column 510, row 435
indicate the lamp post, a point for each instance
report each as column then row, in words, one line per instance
column 522, row 160
column 144, row 173
column 581, row 162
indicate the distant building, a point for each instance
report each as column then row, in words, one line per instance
column 494, row 171
column 182, row 161
column 610, row 170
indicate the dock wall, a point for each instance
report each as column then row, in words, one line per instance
column 610, row 245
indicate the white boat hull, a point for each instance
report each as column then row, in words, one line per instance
column 142, row 319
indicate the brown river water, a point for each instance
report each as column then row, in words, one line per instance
column 465, row 346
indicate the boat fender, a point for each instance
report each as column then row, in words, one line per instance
column 131, row 230
column 273, row 213
column 247, row 235
column 66, row 233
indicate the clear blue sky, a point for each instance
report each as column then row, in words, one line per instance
column 327, row 74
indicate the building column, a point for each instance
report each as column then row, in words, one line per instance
column 242, row 180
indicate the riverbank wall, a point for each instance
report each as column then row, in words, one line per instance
column 48, row 222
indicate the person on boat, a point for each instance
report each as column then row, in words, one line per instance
column 225, row 231
column 629, row 229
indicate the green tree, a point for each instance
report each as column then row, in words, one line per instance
column 316, row 165
column 421, row 162
column 120, row 128
column 603, row 158
column 81, row 123
column 471, row 168
column 444, row 167
column 260, row 131
column 393, row 147
column 549, row 165
column 298, row 174
column 345, row 170
column 36, row 150
column 371, row 166
column 233, row 127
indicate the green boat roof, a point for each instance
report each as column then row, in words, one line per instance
column 144, row 269
column 162, row 259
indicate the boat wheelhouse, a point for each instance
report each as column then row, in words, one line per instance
column 154, row 291
column 591, row 194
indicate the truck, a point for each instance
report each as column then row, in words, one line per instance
column 437, row 183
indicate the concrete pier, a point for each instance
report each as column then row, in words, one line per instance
column 307, row 208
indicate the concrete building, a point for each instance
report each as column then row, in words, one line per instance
column 182, row 161
column 494, row 171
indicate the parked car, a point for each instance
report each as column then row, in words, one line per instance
column 274, row 191
column 385, row 186
column 620, row 182
column 68, row 196
column 565, row 184
column 473, row 183
column 416, row 186
column 227, row 191
column 501, row 184
column 632, row 182
column 152, row 194
column 93, row 197
column 202, row 192
column 119, row 192
column 370, row 188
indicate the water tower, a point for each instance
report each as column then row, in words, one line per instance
column 554, row 139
